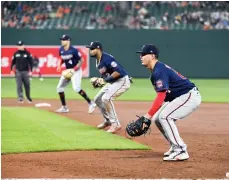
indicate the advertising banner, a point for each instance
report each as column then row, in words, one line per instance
column 48, row 58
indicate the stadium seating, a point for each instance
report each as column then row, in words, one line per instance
column 109, row 15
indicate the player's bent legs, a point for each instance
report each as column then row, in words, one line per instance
column 99, row 103
column 60, row 90
column 76, row 85
column 62, row 84
column 155, row 118
column 76, row 81
column 115, row 90
column 179, row 108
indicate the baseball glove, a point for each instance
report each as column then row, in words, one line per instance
column 68, row 73
column 139, row 127
column 97, row 82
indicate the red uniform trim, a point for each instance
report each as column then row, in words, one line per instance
column 157, row 103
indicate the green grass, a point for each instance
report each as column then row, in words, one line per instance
column 34, row 130
column 216, row 90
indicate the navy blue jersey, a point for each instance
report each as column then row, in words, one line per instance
column 70, row 57
column 164, row 78
column 108, row 65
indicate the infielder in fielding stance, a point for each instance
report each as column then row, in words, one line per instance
column 176, row 98
column 117, row 80
column 73, row 61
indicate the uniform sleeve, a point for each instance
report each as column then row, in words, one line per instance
column 77, row 54
column 114, row 65
column 157, row 103
column 13, row 62
column 160, row 81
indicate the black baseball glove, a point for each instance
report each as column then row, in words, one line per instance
column 139, row 127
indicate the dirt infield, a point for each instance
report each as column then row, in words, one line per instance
column 206, row 132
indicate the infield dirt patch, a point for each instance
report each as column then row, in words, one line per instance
column 206, row 132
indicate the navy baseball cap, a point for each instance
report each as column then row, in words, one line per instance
column 95, row 45
column 149, row 49
column 20, row 43
column 65, row 37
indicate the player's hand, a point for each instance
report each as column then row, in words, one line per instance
column 58, row 69
column 148, row 116
column 30, row 73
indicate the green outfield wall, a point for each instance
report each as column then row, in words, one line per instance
column 196, row 54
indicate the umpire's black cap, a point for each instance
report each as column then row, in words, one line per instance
column 149, row 49
column 65, row 37
column 20, row 43
column 95, row 45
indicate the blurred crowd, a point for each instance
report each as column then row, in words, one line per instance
column 116, row 14
column 206, row 15
column 31, row 15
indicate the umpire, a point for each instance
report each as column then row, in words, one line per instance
column 23, row 61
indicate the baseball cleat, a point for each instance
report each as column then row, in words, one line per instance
column 62, row 109
column 41, row 79
column 20, row 101
column 177, row 156
column 30, row 102
column 104, row 125
column 170, row 151
column 92, row 107
column 114, row 128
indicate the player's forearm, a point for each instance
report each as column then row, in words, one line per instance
column 60, row 62
column 157, row 103
column 79, row 64
column 115, row 75
column 112, row 77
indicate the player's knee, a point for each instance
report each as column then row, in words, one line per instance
column 158, row 124
column 77, row 89
column 164, row 117
column 105, row 98
column 59, row 89
column 98, row 100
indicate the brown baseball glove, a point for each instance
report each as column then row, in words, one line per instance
column 68, row 73
column 97, row 82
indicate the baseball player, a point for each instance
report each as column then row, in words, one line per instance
column 36, row 68
column 176, row 98
column 73, row 60
column 118, row 82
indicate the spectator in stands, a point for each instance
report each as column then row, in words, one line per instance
column 129, row 14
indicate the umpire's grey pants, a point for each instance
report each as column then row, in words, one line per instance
column 22, row 77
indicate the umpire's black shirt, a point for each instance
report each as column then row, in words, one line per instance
column 23, row 60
